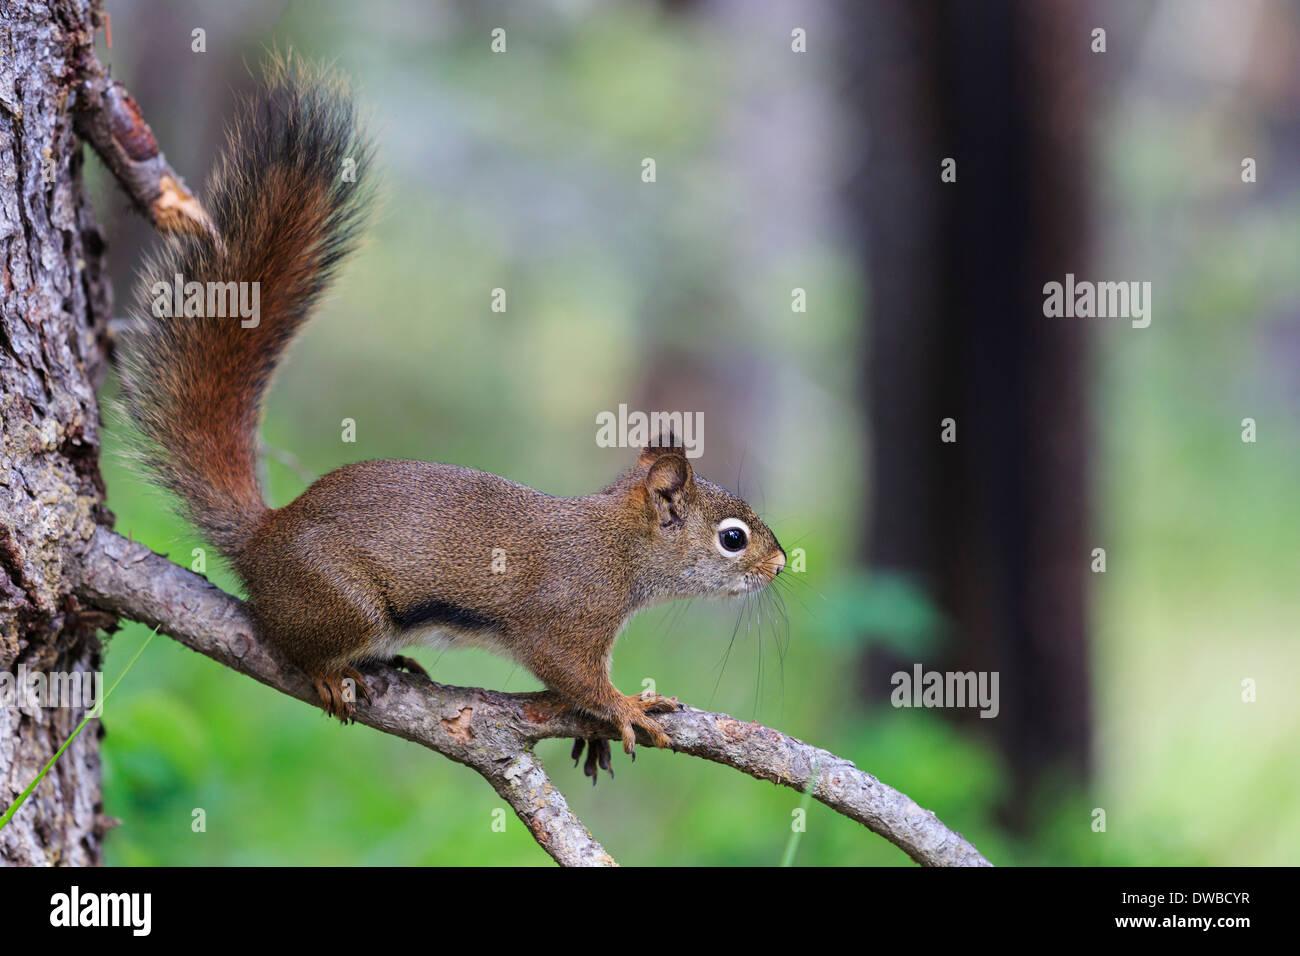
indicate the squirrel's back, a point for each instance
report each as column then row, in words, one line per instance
column 286, row 213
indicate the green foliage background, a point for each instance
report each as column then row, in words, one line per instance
column 1200, row 529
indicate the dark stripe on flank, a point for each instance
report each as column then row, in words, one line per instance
column 433, row 612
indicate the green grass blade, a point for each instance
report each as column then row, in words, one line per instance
column 787, row 858
column 95, row 712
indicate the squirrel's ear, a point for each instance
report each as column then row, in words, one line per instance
column 667, row 483
column 664, row 445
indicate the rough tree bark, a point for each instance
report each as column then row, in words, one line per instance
column 54, row 307
column 56, row 549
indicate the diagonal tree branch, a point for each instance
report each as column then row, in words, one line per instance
column 494, row 732
column 108, row 118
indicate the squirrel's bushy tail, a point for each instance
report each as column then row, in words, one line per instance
column 287, row 214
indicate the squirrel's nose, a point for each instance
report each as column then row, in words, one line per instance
column 777, row 561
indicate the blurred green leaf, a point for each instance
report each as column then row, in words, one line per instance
column 888, row 609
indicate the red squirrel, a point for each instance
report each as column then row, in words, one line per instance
column 379, row 555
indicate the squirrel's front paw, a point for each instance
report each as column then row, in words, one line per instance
column 639, row 706
column 649, row 702
column 651, row 726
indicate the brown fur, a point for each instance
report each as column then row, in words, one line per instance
column 377, row 554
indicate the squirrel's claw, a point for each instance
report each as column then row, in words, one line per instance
column 629, row 740
column 598, row 757
column 334, row 694
column 651, row 726
column 632, row 714
column 644, row 704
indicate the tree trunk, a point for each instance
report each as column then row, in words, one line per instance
column 995, row 526
column 54, row 307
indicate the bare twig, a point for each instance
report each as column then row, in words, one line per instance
column 494, row 732
column 108, row 118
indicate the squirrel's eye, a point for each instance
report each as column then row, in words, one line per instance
column 732, row 539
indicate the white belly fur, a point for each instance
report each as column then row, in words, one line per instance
column 444, row 638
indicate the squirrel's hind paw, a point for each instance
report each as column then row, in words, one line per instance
column 338, row 692
column 410, row 665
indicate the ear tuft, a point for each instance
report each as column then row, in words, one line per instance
column 658, row 447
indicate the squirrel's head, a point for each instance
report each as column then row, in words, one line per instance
column 701, row 539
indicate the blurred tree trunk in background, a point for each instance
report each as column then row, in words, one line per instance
column 53, row 311
column 995, row 526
